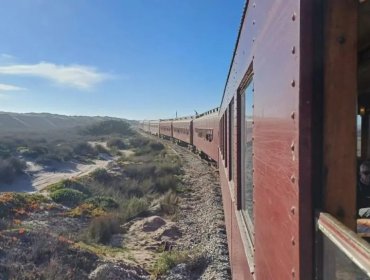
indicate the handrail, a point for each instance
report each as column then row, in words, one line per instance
column 353, row 246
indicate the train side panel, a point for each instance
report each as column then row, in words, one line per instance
column 182, row 130
column 206, row 134
column 268, row 51
column 165, row 129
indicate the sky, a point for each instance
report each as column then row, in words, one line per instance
column 136, row 59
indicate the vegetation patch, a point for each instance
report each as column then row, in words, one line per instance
column 69, row 184
column 102, row 228
column 169, row 203
column 19, row 203
column 168, row 260
column 86, row 210
column 10, row 168
column 68, row 197
column 132, row 208
column 101, row 175
column 104, row 202
column 116, row 143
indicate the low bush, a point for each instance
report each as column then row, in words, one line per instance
column 68, row 197
column 156, row 146
column 169, row 203
column 168, row 260
column 101, row 175
column 102, row 228
column 165, row 183
column 106, row 203
column 101, row 149
column 12, row 203
column 116, row 143
column 68, row 184
column 86, row 210
column 138, row 142
column 133, row 208
column 10, row 168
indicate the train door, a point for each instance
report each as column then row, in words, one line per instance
column 343, row 251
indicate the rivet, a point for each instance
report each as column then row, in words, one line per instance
column 292, row 179
column 292, row 210
column 292, row 83
column 293, row 50
column 254, row 22
column 292, row 115
column 293, row 241
column 292, row 146
column 293, row 16
column 293, row 272
column 254, row 4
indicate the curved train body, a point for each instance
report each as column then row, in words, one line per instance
column 284, row 140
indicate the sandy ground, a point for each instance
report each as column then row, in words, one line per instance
column 38, row 178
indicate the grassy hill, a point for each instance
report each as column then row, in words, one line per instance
column 33, row 122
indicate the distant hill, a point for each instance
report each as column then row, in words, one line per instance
column 17, row 122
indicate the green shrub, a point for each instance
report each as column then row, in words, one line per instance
column 169, row 203
column 116, row 143
column 156, row 146
column 101, row 149
column 138, row 142
column 165, row 183
column 10, row 168
column 168, row 260
column 68, row 197
column 107, row 203
column 133, row 207
column 102, row 228
column 101, row 175
column 68, row 184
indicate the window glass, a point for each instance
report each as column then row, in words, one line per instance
column 247, row 151
column 231, row 139
column 358, row 129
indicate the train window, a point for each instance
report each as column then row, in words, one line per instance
column 226, row 134
column 231, row 138
column 247, row 151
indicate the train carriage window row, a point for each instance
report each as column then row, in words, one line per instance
column 181, row 130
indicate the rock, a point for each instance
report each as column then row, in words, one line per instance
column 111, row 271
column 153, row 223
column 116, row 240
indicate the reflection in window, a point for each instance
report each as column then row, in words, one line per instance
column 247, row 150
column 358, row 128
column 231, row 139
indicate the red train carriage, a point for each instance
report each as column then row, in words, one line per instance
column 206, row 133
column 183, row 129
column 154, row 127
column 299, row 74
column 165, row 128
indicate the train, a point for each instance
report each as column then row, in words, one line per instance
column 291, row 129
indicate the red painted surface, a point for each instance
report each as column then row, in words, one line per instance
column 270, row 32
column 238, row 260
column 183, row 130
column 208, row 146
column 165, row 128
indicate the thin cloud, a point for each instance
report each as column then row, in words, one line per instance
column 5, row 87
column 77, row 76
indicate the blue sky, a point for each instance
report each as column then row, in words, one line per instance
column 138, row 59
